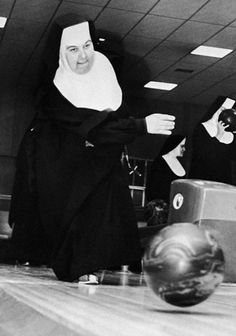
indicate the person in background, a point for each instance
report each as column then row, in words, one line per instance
column 165, row 168
column 71, row 205
column 212, row 149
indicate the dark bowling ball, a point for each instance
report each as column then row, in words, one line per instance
column 156, row 212
column 183, row 264
column 228, row 117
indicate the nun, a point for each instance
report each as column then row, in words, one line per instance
column 165, row 168
column 213, row 147
column 71, row 206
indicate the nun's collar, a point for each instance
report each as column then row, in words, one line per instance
column 211, row 128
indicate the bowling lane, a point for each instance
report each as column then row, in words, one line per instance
column 33, row 302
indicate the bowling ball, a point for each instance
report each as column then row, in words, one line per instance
column 156, row 212
column 183, row 264
column 228, row 117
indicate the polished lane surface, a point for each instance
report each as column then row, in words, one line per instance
column 33, row 302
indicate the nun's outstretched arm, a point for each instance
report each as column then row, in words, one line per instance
column 124, row 131
column 117, row 131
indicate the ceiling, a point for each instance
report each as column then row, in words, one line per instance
column 156, row 37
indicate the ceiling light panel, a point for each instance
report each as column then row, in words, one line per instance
column 211, row 51
column 160, row 86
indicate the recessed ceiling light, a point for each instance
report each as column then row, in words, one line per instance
column 3, row 21
column 184, row 70
column 211, row 51
column 102, row 39
column 160, row 85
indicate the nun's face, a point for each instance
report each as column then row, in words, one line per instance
column 80, row 56
column 181, row 148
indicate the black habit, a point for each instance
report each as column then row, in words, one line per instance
column 71, row 205
column 211, row 159
column 160, row 175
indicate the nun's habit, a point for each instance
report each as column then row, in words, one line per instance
column 71, row 206
column 211, row 158
column 163, row 171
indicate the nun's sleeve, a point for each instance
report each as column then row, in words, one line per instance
column 97, row 127
column 104, row 127
column 117, row 131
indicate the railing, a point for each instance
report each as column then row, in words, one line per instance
column 138, row 168
column 5, row 230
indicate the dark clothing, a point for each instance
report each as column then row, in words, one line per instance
column 210, row 158
column 160, row 176
column 71, row 204
column 159, row 180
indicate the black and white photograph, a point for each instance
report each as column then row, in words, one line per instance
column 117, row 167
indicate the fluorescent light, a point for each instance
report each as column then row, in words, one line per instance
column 3, row 21
column 160, row 85
column 211, row 51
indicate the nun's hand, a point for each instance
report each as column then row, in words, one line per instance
column 221, row 129
column 158, row 123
